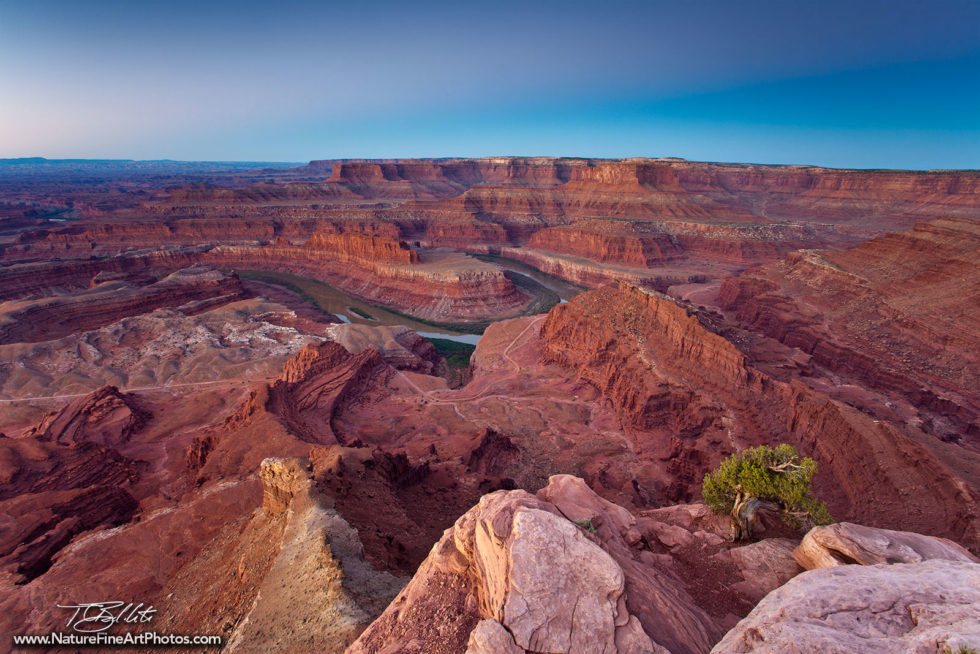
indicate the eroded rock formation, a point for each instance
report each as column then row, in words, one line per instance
column 563, row 570
column 907, row 607
column 191, row 290
column 898, row 314
column 665, row 372
column 844, row 543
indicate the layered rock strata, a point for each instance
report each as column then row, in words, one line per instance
column 51, row 318
column 673, row 380
column 899, row 314
column 444, row 287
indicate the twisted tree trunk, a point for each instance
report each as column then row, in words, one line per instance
column 744, row 514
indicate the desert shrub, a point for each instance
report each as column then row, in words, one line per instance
column 764, row 478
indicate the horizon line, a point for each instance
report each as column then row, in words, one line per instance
column 55, row 160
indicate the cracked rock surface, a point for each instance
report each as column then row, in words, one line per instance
column 917, row 608
column 518, row 574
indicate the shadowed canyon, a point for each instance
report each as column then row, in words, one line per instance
column 466, row 405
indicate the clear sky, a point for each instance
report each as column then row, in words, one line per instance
column 854, row 83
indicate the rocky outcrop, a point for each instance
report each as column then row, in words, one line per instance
column 51, row 318
column 560, row 571
column 908, row 607
column 282, row 480
column 677, row 382
column 318, row 593
column 315, row 383
column 845, row 543
column 65, row 478
column 105, row 417
column 74, row 447
column 399, row 346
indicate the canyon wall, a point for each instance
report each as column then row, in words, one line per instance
column 900, row 313
column 445, row 287
column 667, row 375
column 193, row 289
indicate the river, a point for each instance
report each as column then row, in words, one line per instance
column 349, row 309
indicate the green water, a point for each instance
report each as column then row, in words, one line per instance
column 351, row 310
column 546, row 290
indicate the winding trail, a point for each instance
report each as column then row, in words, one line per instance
column 434, row 396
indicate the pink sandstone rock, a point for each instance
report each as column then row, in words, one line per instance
column 490, row 637
column 764, row 566
column 516, row 571
column 843, row 543
column 918, row 608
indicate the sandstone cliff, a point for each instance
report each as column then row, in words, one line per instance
column 445, row 287
column 676, row 382
column 899, row 314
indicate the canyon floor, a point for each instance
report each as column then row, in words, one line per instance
column 466, row 405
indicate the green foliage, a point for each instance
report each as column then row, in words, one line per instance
column 961, row 650
column 775, row 475
column 586, row 524
column 456, row 354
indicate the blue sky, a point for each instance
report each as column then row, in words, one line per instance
column 890, row 84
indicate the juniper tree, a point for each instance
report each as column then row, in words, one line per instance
column 764, row 478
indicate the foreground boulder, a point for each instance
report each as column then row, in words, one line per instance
column 535, row 578
column 846, row 543
column 567, row 571
column 883, row 609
